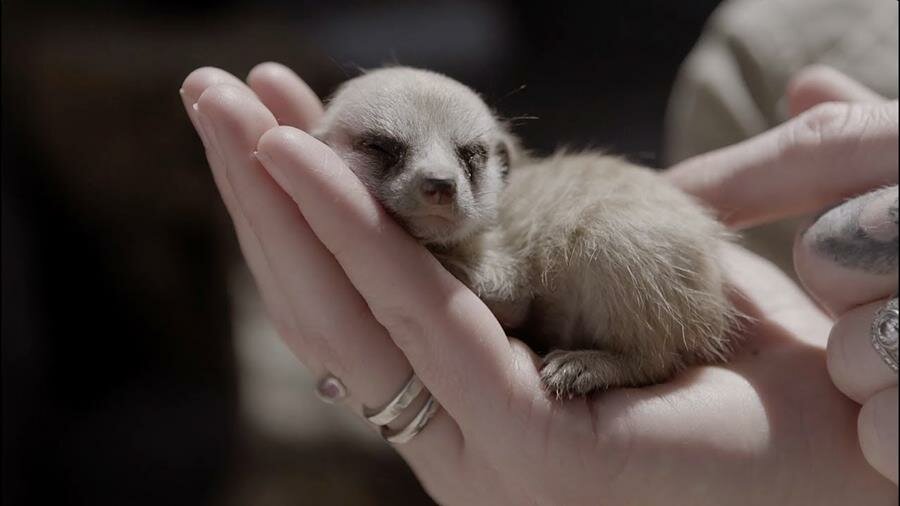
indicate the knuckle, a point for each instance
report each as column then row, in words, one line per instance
column 819, row 125
column 828, row 117
column 828, row 135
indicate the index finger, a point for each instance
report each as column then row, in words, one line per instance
column 826, row 154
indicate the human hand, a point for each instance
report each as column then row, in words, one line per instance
column 353, row 295
column 847, row 258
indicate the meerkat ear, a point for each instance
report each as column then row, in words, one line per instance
column 508, row 150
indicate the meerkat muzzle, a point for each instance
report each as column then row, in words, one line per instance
column 437, row 191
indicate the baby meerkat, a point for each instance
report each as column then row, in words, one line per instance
column 600, row 263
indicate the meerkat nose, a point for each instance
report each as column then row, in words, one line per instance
column 438, row 191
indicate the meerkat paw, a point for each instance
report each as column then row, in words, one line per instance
column 567, row 374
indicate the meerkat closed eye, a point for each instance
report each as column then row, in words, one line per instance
column 600, row 263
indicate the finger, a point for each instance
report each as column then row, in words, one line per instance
column 848, row 257
column 286, row 95
column 828, row 153
column 818, row 84
column 194, row 85
column 452, row 340
column 301, row 267
column 334, row 327
column 771, row 300
column 877, row 427
column 855, row 367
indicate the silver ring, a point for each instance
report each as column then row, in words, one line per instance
column 414, row 427
column 884, row 333
column 400, row 402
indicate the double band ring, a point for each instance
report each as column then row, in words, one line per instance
column 398, row 404
column 414, row 427
column 390, row 412
column 330, row 389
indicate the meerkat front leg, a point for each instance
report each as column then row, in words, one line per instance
column 573, row 373
column 495, row 276
column 500, row 291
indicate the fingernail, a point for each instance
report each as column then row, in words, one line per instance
column 330, row 389
column 272, row 168
column 263, row 159
column 207, row 130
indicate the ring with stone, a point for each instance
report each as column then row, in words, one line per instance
column 884, row 333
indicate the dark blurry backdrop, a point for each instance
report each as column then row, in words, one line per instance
column 119, row 378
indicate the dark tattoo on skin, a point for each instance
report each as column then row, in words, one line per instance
column 840, row 236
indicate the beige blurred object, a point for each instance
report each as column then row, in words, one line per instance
column 297, row 449
column 277, row 393
column 732, row 85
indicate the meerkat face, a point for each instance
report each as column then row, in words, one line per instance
column 425, row 145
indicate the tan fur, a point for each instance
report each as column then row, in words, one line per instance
column 605, row 256
column 597, row 261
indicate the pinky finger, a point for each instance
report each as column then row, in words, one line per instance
column 877, row 427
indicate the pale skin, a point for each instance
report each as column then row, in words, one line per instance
column 353, row 295
column 847, row 257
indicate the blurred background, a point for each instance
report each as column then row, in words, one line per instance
column 138, row 366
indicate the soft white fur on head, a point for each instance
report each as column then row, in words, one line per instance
column 431, row 116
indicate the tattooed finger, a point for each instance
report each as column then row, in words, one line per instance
column 848, row 256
